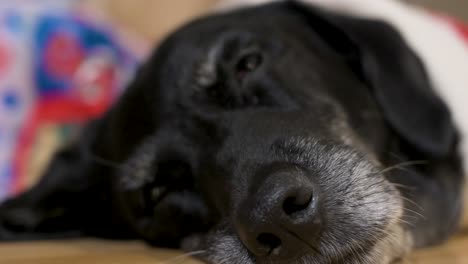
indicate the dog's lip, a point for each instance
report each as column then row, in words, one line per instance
column 346, row 254
column 337, row 258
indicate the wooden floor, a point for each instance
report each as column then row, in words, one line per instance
column 453, row 252
column 105, row 252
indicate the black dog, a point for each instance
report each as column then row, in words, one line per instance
column 275, row 134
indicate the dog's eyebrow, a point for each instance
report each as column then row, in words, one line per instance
column 296, row 149
column 206, row 74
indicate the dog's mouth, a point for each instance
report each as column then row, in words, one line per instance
column 222, row 245
column 168, row 220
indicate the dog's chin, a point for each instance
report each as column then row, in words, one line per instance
column 221, row 245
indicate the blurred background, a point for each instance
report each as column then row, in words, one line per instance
column 63, row 62
column 153, row 19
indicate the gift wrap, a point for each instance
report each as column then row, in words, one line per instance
column 59, row 68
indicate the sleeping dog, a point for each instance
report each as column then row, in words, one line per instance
column 280, row 133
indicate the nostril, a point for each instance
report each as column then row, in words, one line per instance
column 296, row 204
column 280, row 219
column 270, row 242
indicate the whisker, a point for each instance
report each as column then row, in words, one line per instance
column 403, row 165
column 105, row 162
column 406, row 222
column 402, row 186
column 182, row 257
column 412, row 202
column 414, row 212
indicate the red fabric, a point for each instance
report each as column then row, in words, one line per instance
column 463, row 29
column 459, row 26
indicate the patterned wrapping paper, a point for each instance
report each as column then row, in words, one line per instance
column 58, row 69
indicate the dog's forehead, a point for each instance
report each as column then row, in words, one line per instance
column 307, row 99
column 267, row 20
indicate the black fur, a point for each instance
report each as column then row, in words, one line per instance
column 230, row 99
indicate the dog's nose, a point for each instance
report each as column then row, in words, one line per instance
column 279, row 219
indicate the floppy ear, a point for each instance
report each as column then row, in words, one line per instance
column 380, row 55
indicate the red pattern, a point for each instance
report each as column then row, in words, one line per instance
column 5, row 57
column 463, row 29
column 91, row 96
column 53, row 111
column 63, row 55
column 459, row 26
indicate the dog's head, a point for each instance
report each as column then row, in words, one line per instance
column 273, row 130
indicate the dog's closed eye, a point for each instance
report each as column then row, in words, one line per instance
column 247, row 64
column 224, row 80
